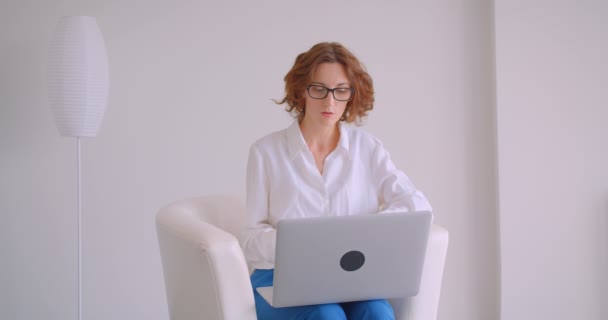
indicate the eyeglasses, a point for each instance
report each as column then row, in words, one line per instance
column 316, row 91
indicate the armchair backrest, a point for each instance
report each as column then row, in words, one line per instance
column 226, row 212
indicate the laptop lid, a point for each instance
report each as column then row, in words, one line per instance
column 348, row 258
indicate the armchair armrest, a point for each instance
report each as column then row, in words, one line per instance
column 424, row 306
column 206, row 276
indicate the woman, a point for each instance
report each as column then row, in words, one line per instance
column 320, row 167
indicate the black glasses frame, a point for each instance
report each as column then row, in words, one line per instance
column 352, row 92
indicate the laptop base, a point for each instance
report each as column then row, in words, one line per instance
column 266, row 293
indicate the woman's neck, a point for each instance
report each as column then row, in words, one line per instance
column 322, row 139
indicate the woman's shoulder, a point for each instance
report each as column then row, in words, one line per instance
column 360, row 136
column 270, row 140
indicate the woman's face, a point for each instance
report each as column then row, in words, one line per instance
column 327, row 111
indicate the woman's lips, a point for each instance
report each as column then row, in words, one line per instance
column 327, row 114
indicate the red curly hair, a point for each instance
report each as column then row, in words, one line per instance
column 302, row 72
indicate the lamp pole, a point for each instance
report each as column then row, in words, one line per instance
column 79, row 183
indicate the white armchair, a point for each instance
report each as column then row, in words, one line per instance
column 206, row 276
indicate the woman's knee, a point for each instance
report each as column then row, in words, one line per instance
column 330, row 311
column 372, row 309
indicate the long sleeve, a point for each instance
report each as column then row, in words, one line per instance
column 259, row 237
column 397, row 192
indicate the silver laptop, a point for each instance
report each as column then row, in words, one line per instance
column 348, row 258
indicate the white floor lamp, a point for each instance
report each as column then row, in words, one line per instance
column 78, row 84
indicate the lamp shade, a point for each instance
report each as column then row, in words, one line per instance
column 77, row 76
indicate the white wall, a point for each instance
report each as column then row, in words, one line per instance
column 552, row 79
column 191, row 83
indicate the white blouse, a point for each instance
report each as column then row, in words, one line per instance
column 283, row 182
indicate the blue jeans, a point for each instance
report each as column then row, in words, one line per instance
column 358, row 310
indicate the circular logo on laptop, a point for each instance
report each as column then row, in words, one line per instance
column 352, row 260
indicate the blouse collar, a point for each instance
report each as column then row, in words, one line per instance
column 296, row 142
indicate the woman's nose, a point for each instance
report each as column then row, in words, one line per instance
column 329, row 99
